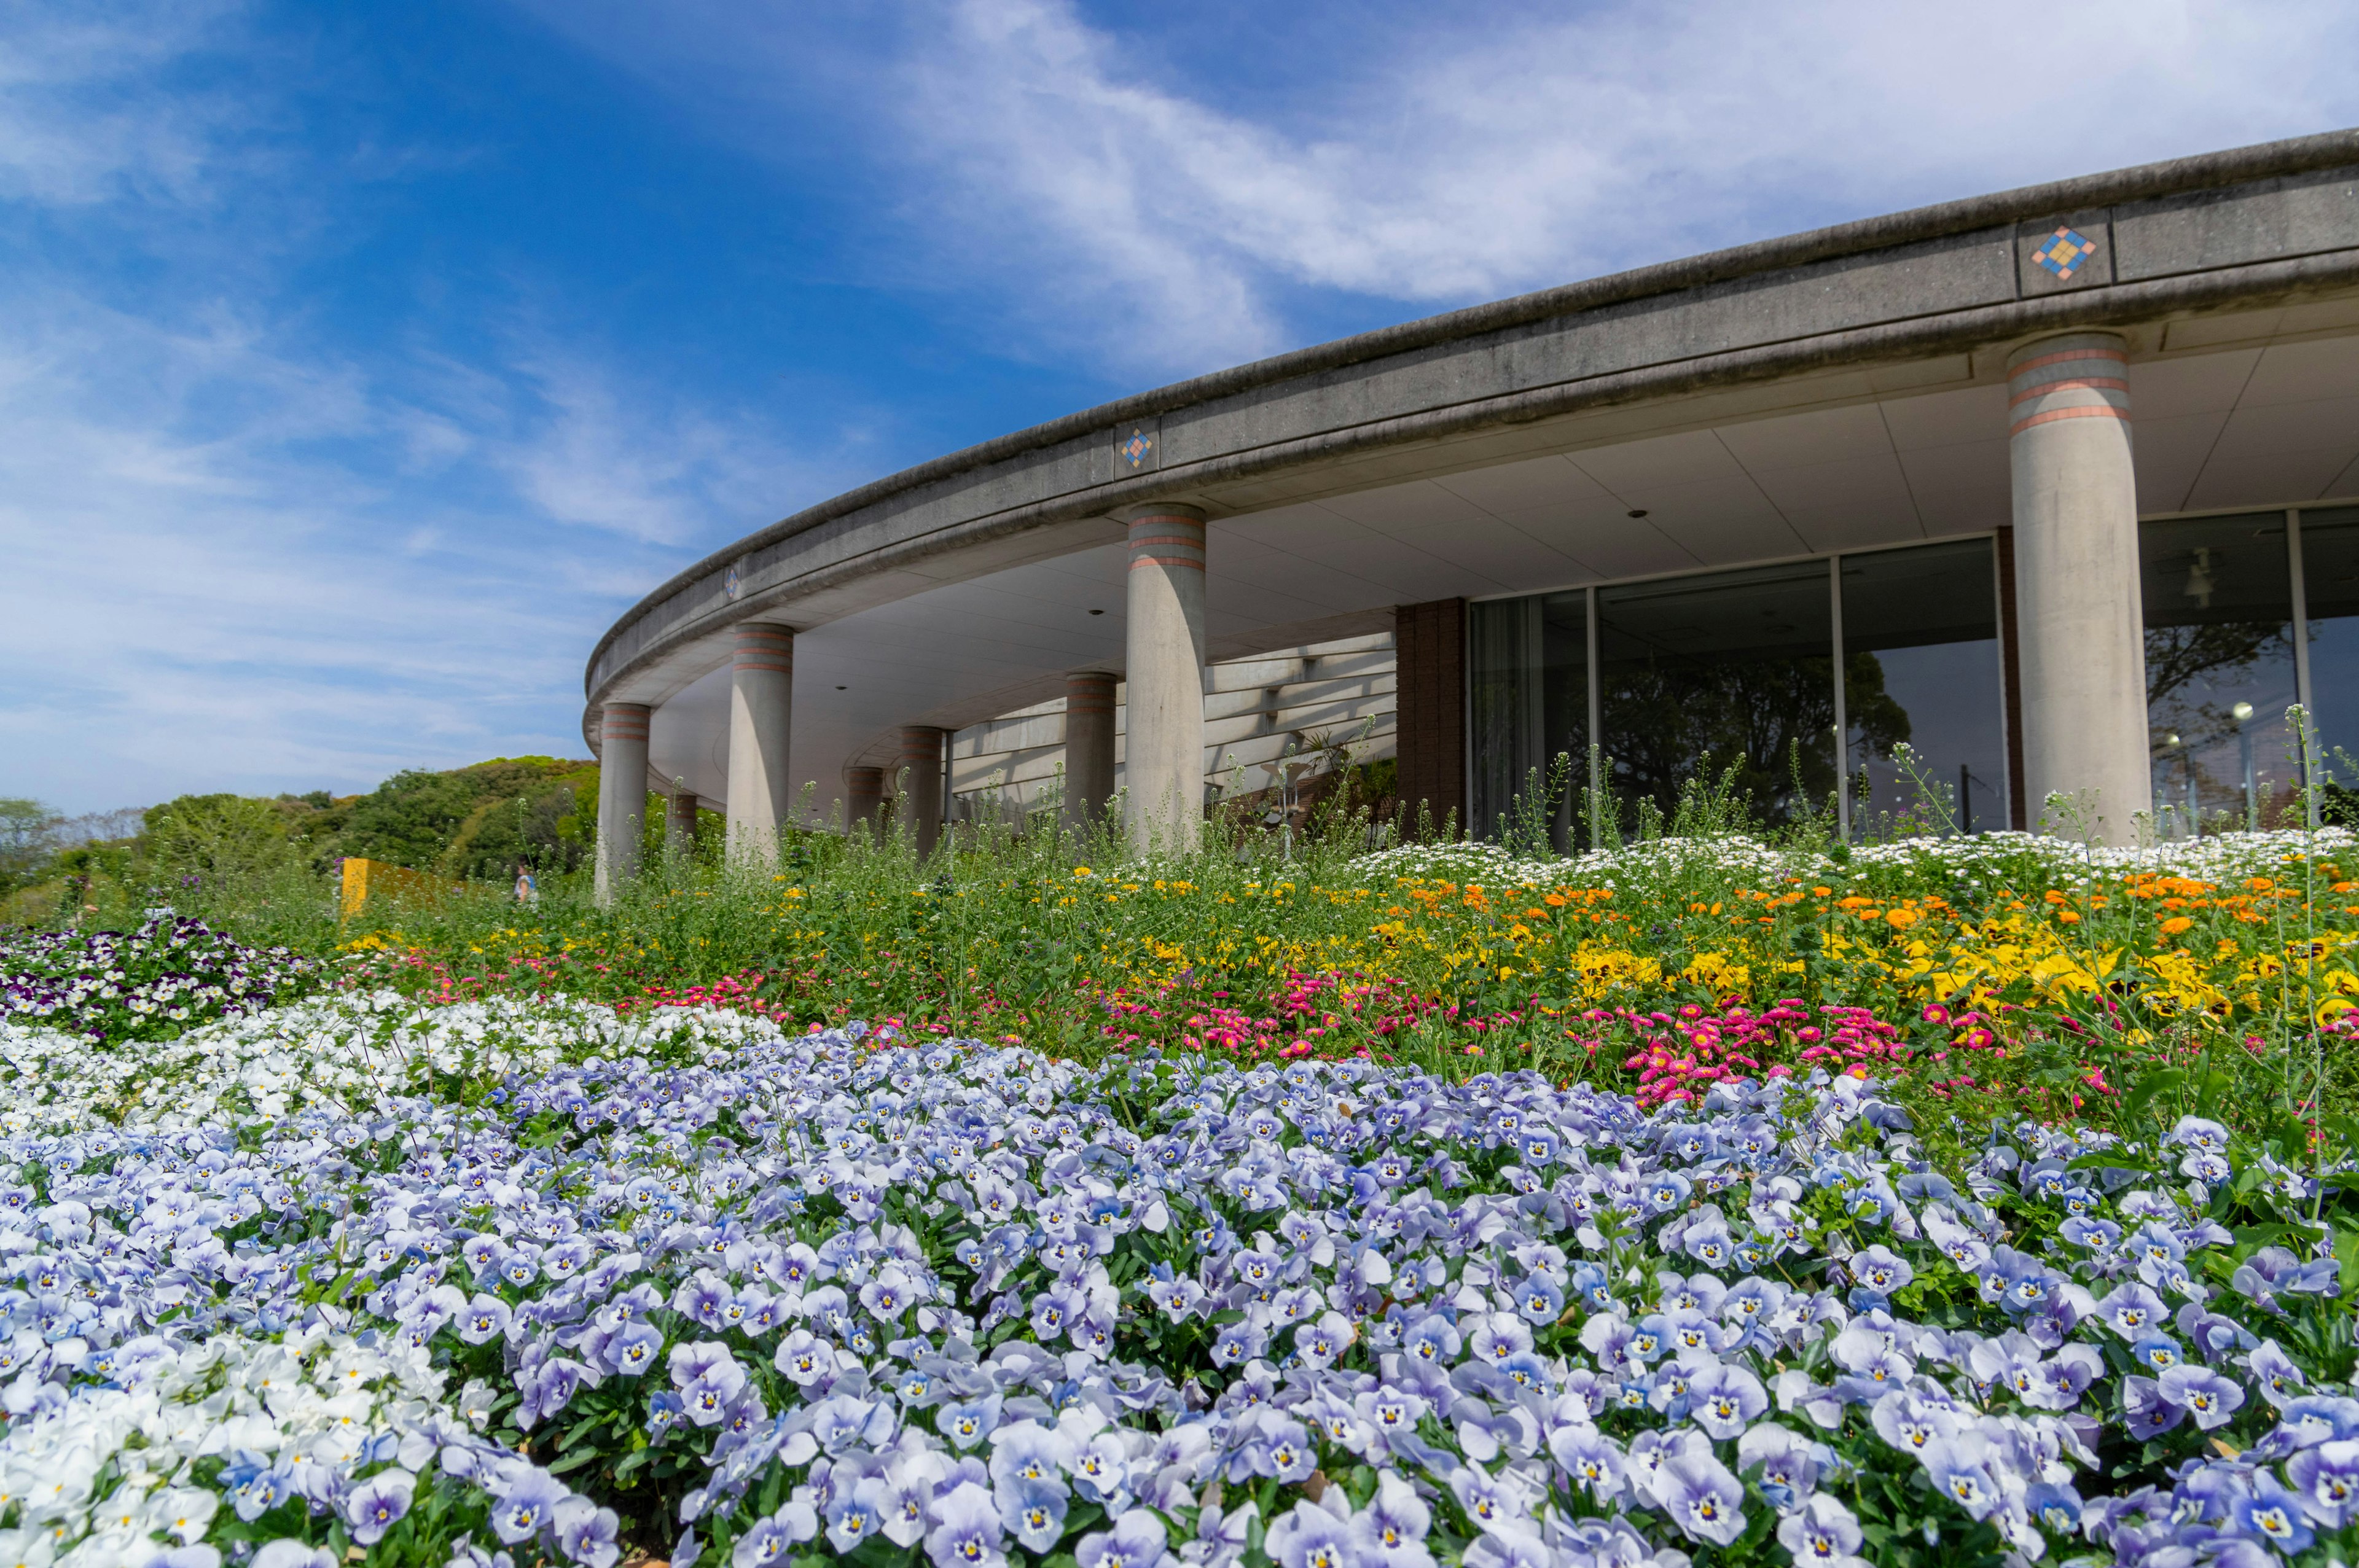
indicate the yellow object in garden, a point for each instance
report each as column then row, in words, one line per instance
column 362, row 878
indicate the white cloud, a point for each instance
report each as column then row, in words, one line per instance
column 248, row 553
column 225, row 579
column 596, row 463
column 76, row 124
column 200, row 604
column 1553, row 152
column 1101, row 199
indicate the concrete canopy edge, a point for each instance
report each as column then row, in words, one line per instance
column 1980, row 327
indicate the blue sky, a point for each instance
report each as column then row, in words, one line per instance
column 360, row 362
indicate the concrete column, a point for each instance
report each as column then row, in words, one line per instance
column 680, row 823
column 761, row 703
column 1088, row 750
column 1164, row 746
column 865, row 786
column 2082, row 637
column 622, row 795
column 921, row 769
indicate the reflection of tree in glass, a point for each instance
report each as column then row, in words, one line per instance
column 2220, row 656
column 1664, row 716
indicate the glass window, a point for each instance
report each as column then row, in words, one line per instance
column 2219, row 670
column 2330, row 585
column 1728, row 667
column 1530, row 685
column 1921, row 664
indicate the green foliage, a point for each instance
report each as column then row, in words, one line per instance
column 218, row 840
column 25, row 826
column 481, row 821
column 410, row 819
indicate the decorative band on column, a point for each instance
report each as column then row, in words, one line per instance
column 1088, row 694
column 2080, row 379
column 623, row 721
column 1163, row 539
column 764, row 648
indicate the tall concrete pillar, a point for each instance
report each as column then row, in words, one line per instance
column 1088, row 750
column 921, row 769
column 679, row 822
column 622, row 795
column 761, row 704
column 865, row 786
column 1164, row 744
column 2081, row 635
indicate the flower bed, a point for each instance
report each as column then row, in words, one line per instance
column 151, row 983
column 2081, row 970
column 755, row 1298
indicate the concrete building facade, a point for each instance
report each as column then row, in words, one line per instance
column 2057, row 486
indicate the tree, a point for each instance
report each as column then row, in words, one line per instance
column 27, row 841
column 526, row 828
column 212, row 840
column 410, row 819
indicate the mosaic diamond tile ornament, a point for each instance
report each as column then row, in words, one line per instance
column 2064, row 253
column 1134, row 452
column 731, row 584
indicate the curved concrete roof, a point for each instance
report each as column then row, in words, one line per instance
column 1611, row 359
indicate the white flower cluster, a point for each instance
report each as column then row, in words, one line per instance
column 348, row 1053
column 98, row 1478
column 108, row 1474
column 2222, row 857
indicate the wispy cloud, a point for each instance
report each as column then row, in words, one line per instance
column 245, row 554
column 203, row 600
column 227, row 579
column 78, row 119
column 594, row 463
column 1105, row 200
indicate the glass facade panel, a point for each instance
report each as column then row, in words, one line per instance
column 1726, row 668
column 1528, row 679
column 2330, row 585
column 1921, row 664
column 2219, row 669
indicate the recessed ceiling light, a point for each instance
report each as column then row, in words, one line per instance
column 1097, row 612
column 1638, row 512
column 844, row 688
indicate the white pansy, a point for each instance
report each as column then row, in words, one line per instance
column 356, row 1051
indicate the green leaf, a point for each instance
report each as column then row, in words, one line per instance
column 2252, row 1238
column 2346, row 1252
column 2169, row 1080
